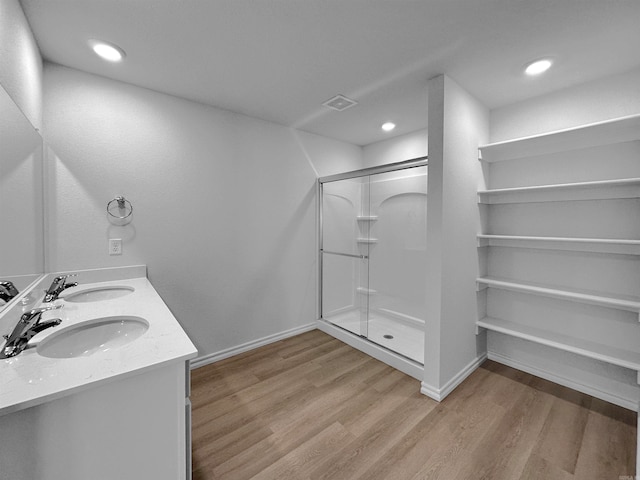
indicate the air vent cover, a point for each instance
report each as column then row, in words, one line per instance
column 339, row 103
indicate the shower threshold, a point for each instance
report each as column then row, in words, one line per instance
column 377, row 351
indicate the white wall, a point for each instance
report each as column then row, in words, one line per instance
column 20, row 61
column 457, row 125
column 397, row 149
column 604, row 99
column 326, row 155
column 225, row 214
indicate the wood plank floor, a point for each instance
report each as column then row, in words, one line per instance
column 312, row 408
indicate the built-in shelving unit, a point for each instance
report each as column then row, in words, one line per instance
column 597, row 351
column 621, row 302
column 598, row 190
column 597, row 245
column 581, row 266
column 365, row 243
column 620, row 130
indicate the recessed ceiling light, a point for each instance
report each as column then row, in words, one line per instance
column 107, row 51
column 538, row 67
column 387, row 127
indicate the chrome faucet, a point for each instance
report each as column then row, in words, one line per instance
column 58, row 286
column 7, row 291
column 27, row 327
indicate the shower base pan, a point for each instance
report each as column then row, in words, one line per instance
column 374, row 349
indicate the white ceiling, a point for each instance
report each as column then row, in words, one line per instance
column 279, row 60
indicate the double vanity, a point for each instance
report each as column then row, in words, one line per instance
column 101, row 388
column 102, row 394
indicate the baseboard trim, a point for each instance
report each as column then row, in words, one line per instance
column 439, row 394
column 245, row 347
column 628, row 403
column 430, row 392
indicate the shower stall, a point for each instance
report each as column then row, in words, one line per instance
column 372, row 238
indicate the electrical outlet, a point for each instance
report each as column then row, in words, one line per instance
column 115, row 246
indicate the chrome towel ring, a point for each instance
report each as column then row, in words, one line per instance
column 122, row 205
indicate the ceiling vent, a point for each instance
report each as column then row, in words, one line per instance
column 339, row 103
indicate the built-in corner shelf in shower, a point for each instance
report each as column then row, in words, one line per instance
column 620, row 302
column 367, row 218
column 367, row 240
column 597, row 245
column 366, row 291
column 625, row 129
column 568, row 343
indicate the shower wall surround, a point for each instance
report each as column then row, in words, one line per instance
column 373, row 260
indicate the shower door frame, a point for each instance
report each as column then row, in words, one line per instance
column 365, row 172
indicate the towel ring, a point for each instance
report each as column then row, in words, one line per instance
column 123, row 205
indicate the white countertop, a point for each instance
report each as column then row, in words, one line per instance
column 30, row 379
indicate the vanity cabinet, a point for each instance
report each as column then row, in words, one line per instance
column 116, row 411
column 131, row 428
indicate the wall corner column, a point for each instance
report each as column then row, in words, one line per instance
column 458, row 123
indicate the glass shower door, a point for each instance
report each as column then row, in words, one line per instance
column 345, row 254
column 374, row 230
column 397, row 261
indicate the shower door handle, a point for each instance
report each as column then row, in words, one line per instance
column 362, row 257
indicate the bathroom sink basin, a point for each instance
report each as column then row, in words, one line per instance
column 98, row 293
column 97, row 335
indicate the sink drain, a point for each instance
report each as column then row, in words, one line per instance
column 388, row 337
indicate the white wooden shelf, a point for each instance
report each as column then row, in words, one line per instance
column 598, row 190
column 605, row 353
column 606, row 143
column 620, row 130
column 367, row 218
column 598, row 245
column 620, row 302
column 367, row 240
